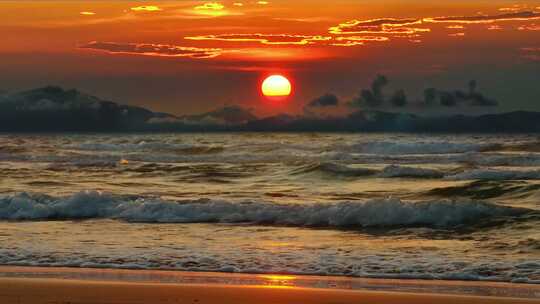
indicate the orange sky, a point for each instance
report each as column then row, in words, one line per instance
column 191, row 56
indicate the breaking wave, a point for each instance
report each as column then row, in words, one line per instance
column 373, row 213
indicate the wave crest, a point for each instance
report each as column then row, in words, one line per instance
column 373, row 213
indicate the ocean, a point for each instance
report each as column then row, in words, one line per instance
column 425, row 206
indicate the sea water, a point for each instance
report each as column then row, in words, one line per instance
column 368, row 205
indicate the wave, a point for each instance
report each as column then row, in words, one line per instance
column 483, row 189
column 519, row 160
column 334, row 169
column 399, row 148
column 373, row 213
column 402, row 171
column 143, row 146
column 492, row 174
column 388, row 171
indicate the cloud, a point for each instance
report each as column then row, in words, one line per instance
column 530, row 27
column 494, row 28
column 454, row 98
column 210, row 6
column 363, row 38
column 513, row 8
column 514, row 16
column 87, row 13
column 307, row 20
column 148, row 49
column 327, row 105
column 348, row 43
column 146, row 8
column 358, row 40
column 327, row 100
column 374, row 97
column 378, row 26
column 399, row 99
column 531, row 53
column 213, row 9
column 269, row 39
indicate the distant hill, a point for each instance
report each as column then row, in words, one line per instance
column 53, row 109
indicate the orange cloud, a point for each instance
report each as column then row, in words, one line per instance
column 518, row 16
column 457, row 35
column 358, row 40
column 513, row 8
column 268, row 39
column 455, row 27
column 148, row 49
column 146, row 8
column 378, row 26
column 363, row 38
column 212, row 9
column 494, row 27
column 348, row 43
column 530, row 27
column 87, row 13
column 210, row 6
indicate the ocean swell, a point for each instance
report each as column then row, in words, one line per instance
column 399, row 148
column 372, row 213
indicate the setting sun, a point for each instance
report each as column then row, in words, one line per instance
column 276, row 86
column 309, row 151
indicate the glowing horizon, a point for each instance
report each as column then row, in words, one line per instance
column 184, row 47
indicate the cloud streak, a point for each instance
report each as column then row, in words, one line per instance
column 479, row 19
column 148, row 49
column 268, row 39
column 210, row 6
column 378, row 26
column 146, row 8
column 530, row 27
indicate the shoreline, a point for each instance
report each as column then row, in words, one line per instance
column 81, row 285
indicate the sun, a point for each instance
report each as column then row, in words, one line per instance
column 276, row 86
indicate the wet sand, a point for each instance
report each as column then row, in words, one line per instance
column 34, row 285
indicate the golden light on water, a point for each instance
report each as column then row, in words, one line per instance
column 279, row 281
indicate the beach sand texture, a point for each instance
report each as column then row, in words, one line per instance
column 58, row 286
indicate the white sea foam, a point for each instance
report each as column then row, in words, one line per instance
column 372, row 213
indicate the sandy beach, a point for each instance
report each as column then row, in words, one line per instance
column 24, row 285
